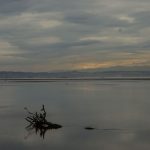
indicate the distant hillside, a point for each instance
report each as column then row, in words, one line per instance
column 75, row 74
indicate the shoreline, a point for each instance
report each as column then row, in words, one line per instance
column 69, row 79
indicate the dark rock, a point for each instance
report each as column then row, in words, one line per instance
column 89, row 128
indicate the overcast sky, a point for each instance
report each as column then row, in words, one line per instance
column 47, row 35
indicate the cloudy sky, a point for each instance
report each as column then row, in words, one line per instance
column 47, row 35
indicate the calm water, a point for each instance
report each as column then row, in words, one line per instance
column 118, row 110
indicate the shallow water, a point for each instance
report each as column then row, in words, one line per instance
column 118, row 110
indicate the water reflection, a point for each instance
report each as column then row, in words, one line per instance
column 38, row 130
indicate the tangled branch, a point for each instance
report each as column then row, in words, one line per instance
column 39, row 122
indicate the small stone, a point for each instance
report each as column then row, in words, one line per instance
column 89, row 128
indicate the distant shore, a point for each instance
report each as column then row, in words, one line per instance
column 69, row 79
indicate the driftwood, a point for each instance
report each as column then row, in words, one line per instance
column 39, row 122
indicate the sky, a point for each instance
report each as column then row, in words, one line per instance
column 52, row 35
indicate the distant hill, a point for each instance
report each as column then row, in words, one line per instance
column 74, row 74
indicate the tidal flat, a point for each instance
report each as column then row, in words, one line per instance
column 95, row 114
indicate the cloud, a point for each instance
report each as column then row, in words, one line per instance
column 127, row 40
column 34, row 32
column 117, row 59
column 109, row 64
column 10, row 7
column 44, row 40
column 7, row 48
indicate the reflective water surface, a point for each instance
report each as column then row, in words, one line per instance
column 119, row 112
